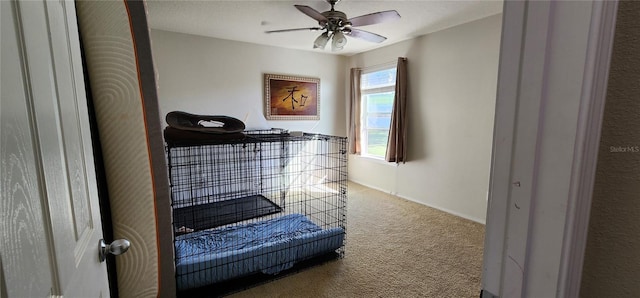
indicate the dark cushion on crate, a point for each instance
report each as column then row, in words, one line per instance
column 215, row 124
column 179, row 138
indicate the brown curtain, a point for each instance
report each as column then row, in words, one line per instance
column 397, row 143
column 354, row 110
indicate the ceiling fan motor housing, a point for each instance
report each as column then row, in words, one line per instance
column 336, row 20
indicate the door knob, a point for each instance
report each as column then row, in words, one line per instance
column 117, row 247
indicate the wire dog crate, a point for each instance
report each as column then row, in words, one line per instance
column 259, row 203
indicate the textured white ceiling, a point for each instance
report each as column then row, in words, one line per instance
column 246, row 21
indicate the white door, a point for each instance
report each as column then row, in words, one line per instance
column 49, row 214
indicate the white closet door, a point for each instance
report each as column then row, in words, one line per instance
column 49, row 214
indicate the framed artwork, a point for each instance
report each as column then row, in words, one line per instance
column 291, row 97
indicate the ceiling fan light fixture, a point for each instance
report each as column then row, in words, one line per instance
column 339, row 41
column 321, row 41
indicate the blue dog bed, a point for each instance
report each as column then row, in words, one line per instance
column 211, row 256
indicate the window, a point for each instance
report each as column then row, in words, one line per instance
column 377, row 87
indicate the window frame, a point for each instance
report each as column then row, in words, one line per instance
column 364, row 92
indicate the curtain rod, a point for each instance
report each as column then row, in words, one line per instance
column 388, row 63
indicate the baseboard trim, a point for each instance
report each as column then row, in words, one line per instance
column 458, row 214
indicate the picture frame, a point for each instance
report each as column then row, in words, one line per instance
column 291, row 97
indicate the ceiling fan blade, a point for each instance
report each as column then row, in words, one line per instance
column 374, row 18
column 366, row 35
column 314, row 14
column 296, row 29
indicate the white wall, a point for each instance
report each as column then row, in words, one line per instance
column 210, row 76
column 451, row 102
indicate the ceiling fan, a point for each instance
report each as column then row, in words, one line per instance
column 336, row 25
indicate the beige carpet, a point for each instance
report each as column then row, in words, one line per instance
column 395, row 248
